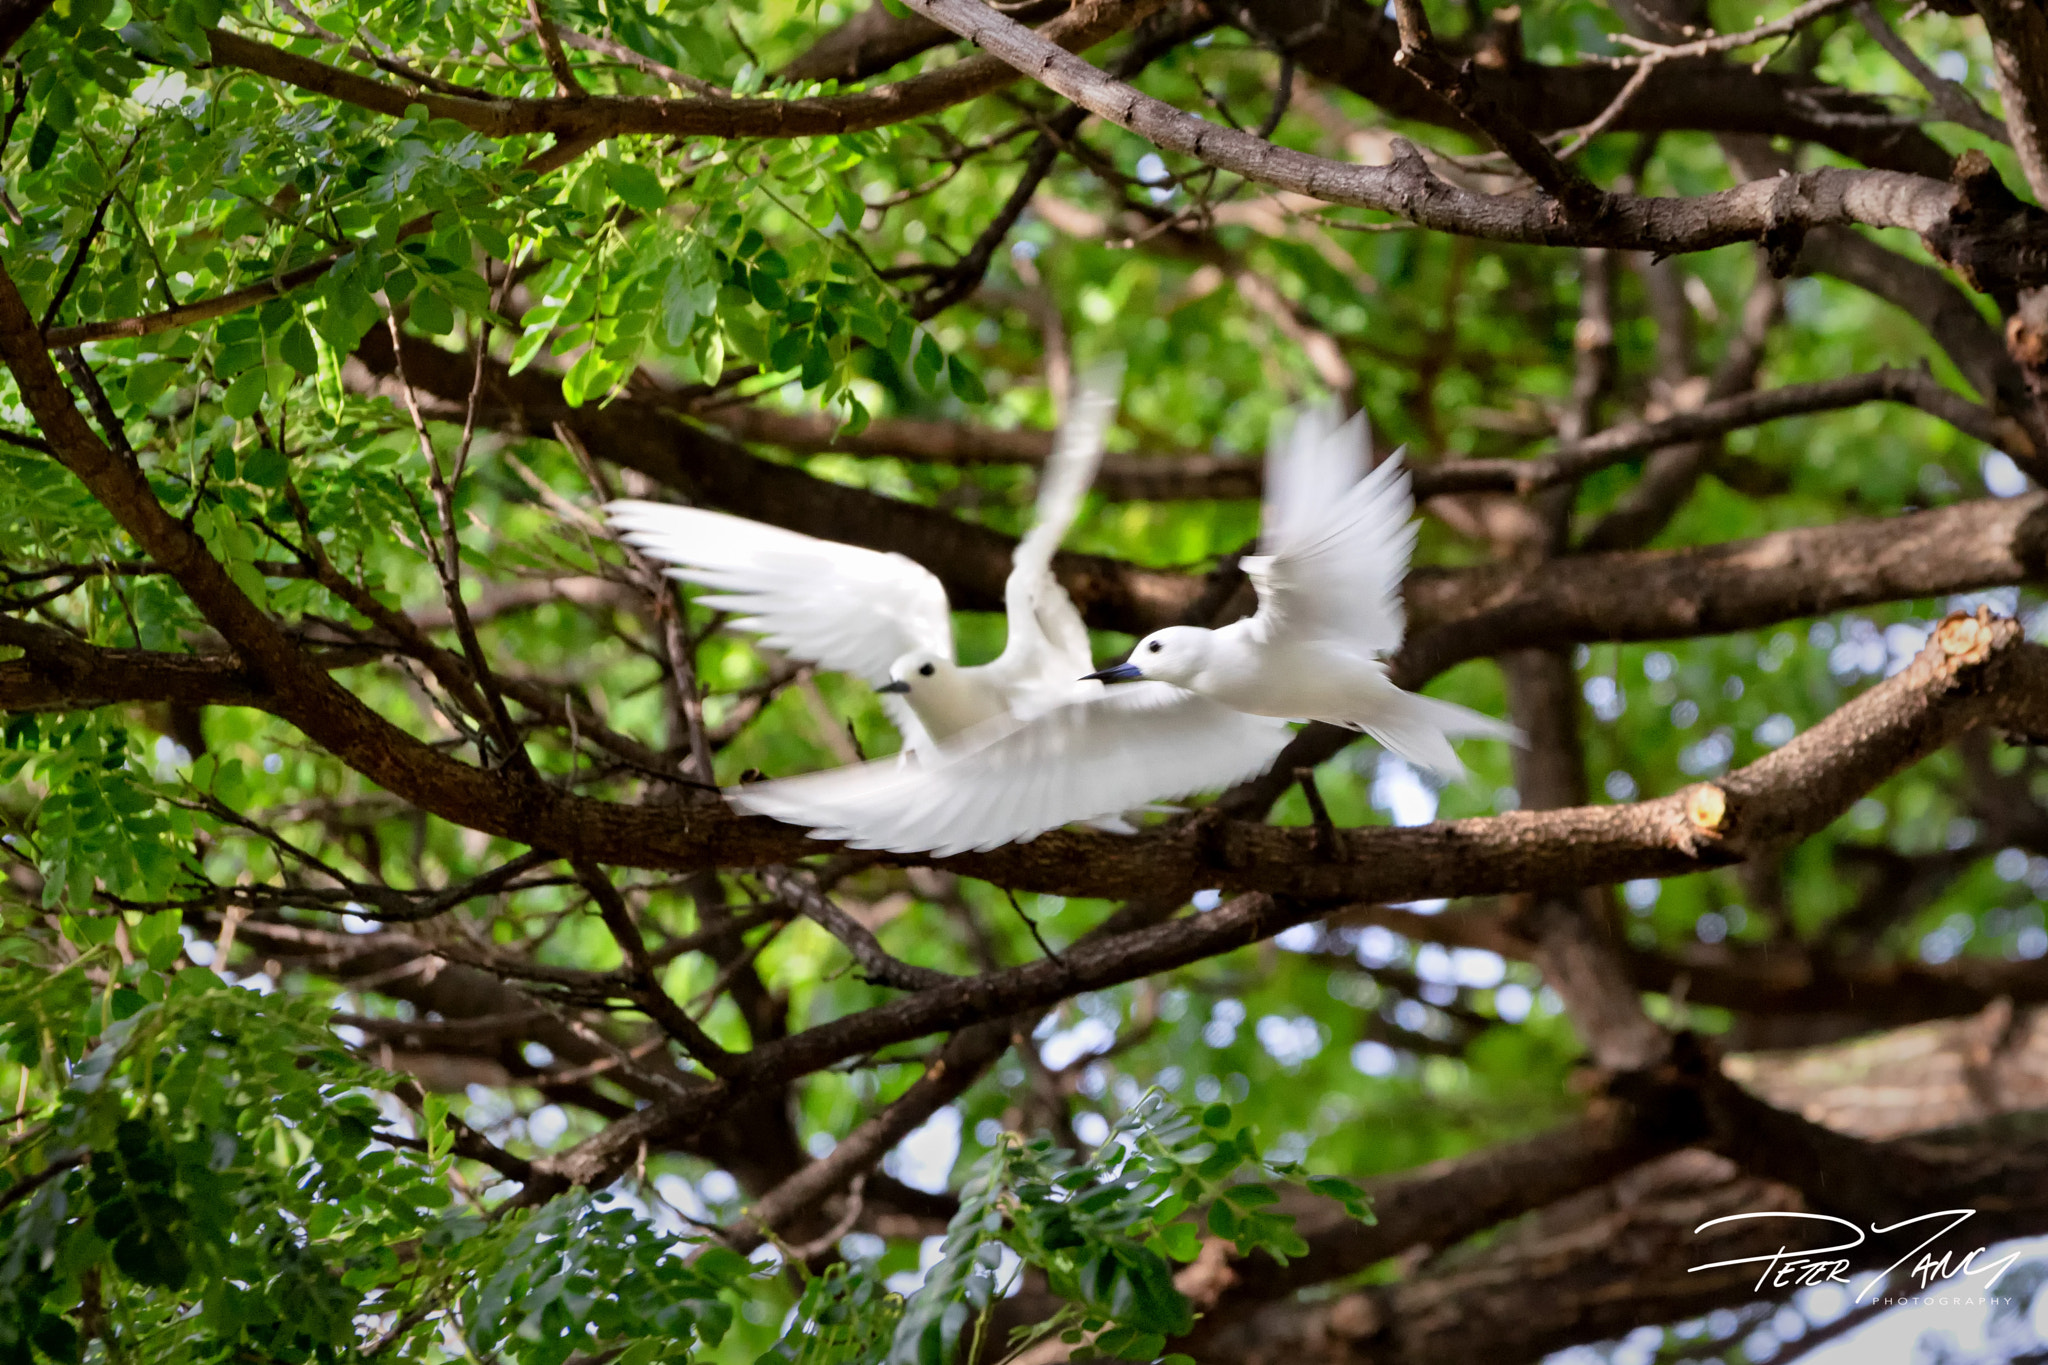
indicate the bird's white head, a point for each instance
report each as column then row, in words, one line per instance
column 946, row 697
column 1177, row 655
column 919, row 671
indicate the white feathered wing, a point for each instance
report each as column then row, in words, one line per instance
column 1012, row 780
column 1336, row 541
column 818, row 601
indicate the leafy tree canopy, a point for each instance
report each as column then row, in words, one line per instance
column 381, row 976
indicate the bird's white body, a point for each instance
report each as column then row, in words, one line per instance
column 885, row 618
column 1336, row 542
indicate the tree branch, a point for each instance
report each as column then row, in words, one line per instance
column 1354, row 46
column 648, row 992
column 1408, row 188
column 1574, row 460
column 795, row 890
column 607, row 116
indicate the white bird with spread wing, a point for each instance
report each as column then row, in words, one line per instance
column 1336, row 540
column 884, row 617
column 1203, row 709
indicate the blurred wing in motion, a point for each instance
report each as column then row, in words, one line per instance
column 1010, row 780
column 818, row 601
column 1047, row 639
column 1336, row 541
column 1311, row 462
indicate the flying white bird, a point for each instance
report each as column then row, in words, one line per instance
column 885, row 618
column 1336, row 542
column 1201, row 710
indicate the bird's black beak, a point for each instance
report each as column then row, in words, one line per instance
column 898, row 687
column 1115, row 673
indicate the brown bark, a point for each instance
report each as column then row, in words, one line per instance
column 1407, row 187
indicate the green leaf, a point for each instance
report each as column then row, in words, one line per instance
column 246, row 394
column 639, row 187
column 431, row 313
column 1250, row 1196
column 1130, row 1343
column 966, row 384
column 1180, row 1241
column 786, row 352
column 927, row 363
column 158, row 940
column 1144, row 1296
column 434, row 1127
column 265, row 467
column 42, row 144
column 817, row 364
column 60, row 107
column 295, row 347
column 767, row 291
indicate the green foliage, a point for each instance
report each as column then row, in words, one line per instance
column 1104, row 1231
column 247, row 1185
column 233, row 1196
column 214, row 1173
column 101, row 818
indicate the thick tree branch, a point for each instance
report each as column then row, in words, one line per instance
column 17, row 17
column 1712, row 589
column 1354, row 45
column 876, row 39
column 1575, row 459
column 1408, row 188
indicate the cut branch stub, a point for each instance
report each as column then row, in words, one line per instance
column 1707, row 807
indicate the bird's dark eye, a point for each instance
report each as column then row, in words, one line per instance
column 927, row 671
column 1155, row 646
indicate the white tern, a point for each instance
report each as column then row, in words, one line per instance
column 885, row 618
column 1335, row 544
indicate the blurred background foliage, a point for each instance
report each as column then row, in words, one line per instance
column 787, row 275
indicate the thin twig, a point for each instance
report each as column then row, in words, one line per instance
column 1326, row 828
column 551, row 44
column 1727, row 42
column 619, row 52
column 1283, row 95
column 647, row 990
column 1577, row 196
column 28, row 1185
column 1951, row 100
column 875, row 961
column 447, row 562
column 1032, row 925
column 1599, row 125
column 82, row 250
